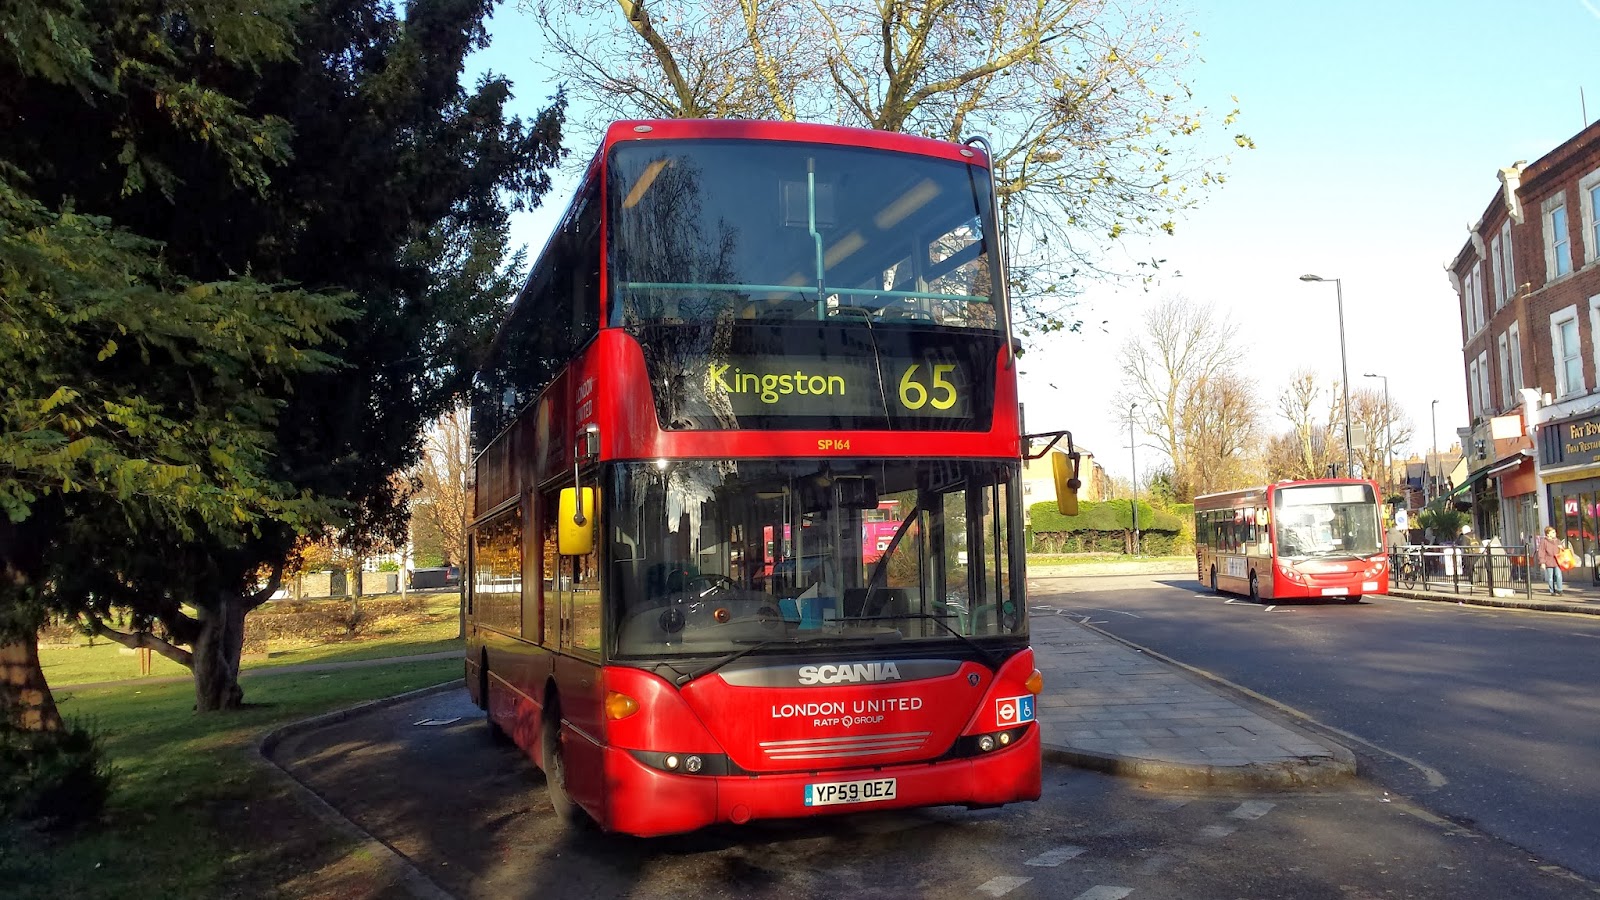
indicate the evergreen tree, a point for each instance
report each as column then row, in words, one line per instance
column 126, row 384
column 376, row 177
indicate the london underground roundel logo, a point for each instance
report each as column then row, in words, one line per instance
column 1014, row 710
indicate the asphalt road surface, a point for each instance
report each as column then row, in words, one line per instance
column 1488, row 717
column 471, row 814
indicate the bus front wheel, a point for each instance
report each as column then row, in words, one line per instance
column 1255, row 589
column 1214, row 580
column 555, row 769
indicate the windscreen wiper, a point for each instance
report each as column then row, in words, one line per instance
column 988, row 656
column 718, row 663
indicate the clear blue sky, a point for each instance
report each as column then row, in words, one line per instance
column 1379, row 128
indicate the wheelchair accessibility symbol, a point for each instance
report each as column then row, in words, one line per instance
column 1014, row 710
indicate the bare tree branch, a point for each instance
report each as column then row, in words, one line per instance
column 1096, row 135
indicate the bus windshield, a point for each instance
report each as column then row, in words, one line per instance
column 715, row 556
column 714, row 230
column 1326, row 520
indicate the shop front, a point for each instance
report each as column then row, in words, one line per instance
column 1569, row 463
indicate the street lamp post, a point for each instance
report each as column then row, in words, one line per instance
column 1344, row 373
column 1133, row 460
column 1433, row 482
column 1388, row 424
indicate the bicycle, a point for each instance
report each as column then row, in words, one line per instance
column 1408, row 569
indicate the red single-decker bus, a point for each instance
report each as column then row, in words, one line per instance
column 1293, row 539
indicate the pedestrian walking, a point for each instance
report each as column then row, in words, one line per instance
column 1550, row 558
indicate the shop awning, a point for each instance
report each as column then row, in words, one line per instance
column 1504, row 465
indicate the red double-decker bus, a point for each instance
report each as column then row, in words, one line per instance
column 743, row 330
column 1293, row 539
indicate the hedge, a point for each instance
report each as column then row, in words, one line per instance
column 1107, row 527
column 1109, row 515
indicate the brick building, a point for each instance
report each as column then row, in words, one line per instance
column 1528, row 280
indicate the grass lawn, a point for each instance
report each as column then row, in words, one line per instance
column 431, row 630
column 194, row 812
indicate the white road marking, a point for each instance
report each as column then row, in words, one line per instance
column 1053, row 858
column 1252, row 809
column 1216, row 831
column 1104, row 892
column 1001, row 885
column 426, row 722
column 1272, row 607
column 1155, row 864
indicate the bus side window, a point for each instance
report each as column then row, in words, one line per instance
column 550, row 565
column 584, row 251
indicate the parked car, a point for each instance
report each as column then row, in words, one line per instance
column 435, row 578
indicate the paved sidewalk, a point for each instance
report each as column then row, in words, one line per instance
column 1584, row 600
column 1111, row 707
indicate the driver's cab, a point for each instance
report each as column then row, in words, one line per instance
column 710, row 556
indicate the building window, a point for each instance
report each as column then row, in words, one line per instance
column 1504, row 345
column 1485, row 399
column 1495, row 280
column 1588, row 199
column 1508, row 268
column 1478, row 294
column 1471, row 293
column 1557, row 241
column 1514, row 343
column 1473, row 400
column 1567, row 352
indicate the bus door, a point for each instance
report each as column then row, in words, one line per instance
column 573, row 593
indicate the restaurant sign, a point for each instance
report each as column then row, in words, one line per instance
column 1572, row 442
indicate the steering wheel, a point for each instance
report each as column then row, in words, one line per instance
column 715, row 582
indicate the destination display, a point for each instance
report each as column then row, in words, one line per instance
column 737, row 376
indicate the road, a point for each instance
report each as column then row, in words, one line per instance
column 425, row 778
column 1488, row 717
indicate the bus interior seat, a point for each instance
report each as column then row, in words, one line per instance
column 885, row 602
column 666, row 578
column 903, row 314
column 625, row 581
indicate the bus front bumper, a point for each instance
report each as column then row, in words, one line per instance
column 647, row 802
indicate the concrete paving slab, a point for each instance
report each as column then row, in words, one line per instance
column 1115, row 708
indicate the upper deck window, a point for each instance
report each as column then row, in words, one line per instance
column 722, row 230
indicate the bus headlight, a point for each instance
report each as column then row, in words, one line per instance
column 687, row 763
column 979, row 744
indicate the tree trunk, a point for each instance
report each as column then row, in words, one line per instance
column 216, row 654
column 25, row 698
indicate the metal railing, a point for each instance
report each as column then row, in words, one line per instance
column 1492, row 569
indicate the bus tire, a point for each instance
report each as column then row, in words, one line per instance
column 1255, row 589
column 1214, row 580
column 555, row 769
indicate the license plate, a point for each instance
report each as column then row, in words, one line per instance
column 1369, row 586
column 835, row 792
column 1335, row 592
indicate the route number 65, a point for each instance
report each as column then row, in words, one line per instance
column 939, row 393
